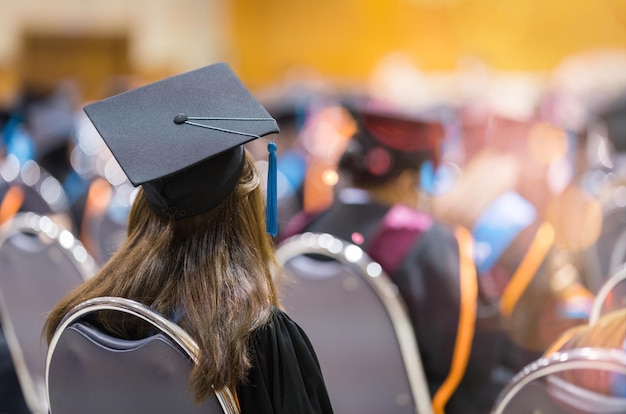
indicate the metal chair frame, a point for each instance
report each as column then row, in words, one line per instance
column 34, row 177
column 613, row 360
column 603, row 293
column 45, row 228
column 352, row 255
column 174, row 332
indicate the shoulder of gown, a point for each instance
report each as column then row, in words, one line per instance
column 285, row 377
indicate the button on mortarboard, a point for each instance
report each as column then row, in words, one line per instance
column 180, row 119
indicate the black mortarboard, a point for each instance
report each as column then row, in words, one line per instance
column 181, row 137
column 402, row 134
column 387, row 142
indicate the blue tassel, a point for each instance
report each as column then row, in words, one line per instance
column 271, row 207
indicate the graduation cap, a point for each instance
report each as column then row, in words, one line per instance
column 182, row 138
column 402, row 133
column 387, row 142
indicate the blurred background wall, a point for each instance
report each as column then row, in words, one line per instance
column 42, row 41
column 93, row 40
column 348, row 38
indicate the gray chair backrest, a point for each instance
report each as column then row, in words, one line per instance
column 42, row 193
column 40, row 263
column 538, row 388
column 104, row 227
column 90, row 371
column 608, row 254
column 357, row 323
column 611, row 296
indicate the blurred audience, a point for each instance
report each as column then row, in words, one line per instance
column 376, row 206
column 525, row 177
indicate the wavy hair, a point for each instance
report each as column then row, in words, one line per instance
column 211, row 273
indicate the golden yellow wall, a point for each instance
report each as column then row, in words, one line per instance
column 346, row 38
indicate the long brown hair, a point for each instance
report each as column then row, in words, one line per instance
column 211, row 272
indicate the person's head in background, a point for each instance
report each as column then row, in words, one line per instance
column 47, row 115
column 386, row 153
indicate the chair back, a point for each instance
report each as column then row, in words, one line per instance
column 608, row 254
column 40, row 263
column 544, row 386
column 357, row 323
column 90, row 371
column 104, row 219
column 29, row 188
column 611, row 296
column 615, row 224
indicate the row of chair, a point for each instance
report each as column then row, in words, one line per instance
column 368, row 353
column 40, row 262
column 97, row 215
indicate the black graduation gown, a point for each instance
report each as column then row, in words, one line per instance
column 286, row 376
column 11, row 397
column 428, row 280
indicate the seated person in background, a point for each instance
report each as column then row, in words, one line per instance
column 528, row 268
column 531, row 281
column 378, row 210
column 196, row 249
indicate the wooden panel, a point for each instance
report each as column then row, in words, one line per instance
column 89, row 60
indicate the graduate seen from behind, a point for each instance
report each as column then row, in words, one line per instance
column 379, row 208
column 197, row 250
